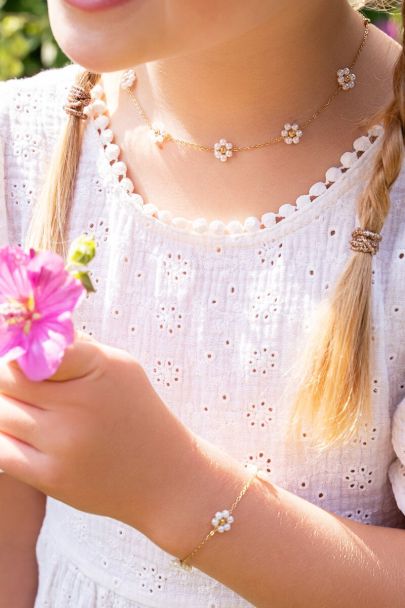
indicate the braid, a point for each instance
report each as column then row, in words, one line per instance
column 49, row 222
column 334, row 393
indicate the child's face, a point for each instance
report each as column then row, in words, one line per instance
column 131, row 32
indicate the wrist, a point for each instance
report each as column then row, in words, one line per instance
column 207, row 480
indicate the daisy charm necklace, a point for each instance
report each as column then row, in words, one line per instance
column 222, row 150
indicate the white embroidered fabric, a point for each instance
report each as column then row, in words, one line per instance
column 217, row 320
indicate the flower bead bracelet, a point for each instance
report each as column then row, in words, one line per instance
column 221, row 522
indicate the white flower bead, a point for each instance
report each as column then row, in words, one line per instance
column 101, row 122
column 268, row 219
column 181, row 222
column 119, row 168
column 165, row 216
column 346, row 79
column 303, row 201
column 222, row 521
column 127, row 184
column 333, row 174
column 128, row 78
column 317, row 189
column 217, row 227
column 286, row 210
column 107, row 136
column 200, row 225
column 234, row 227
column 251, row 224
column 223, row 150
column 99, row 106
column 158, row 133
column 112, row 152
column 291, row 133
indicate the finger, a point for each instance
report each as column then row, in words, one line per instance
column 20, row 460
column 15, row 384
column 80, row 360
column 22, row 421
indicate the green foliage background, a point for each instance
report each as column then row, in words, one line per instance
column 26, row 41
column 27, row 44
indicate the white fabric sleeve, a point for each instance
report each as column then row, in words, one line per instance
column 396, row 471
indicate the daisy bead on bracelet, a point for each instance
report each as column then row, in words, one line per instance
column 222, row 521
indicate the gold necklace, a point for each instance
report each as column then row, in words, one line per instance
column 223, row 150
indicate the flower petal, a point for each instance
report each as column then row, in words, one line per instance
column 43, row 357
column 11, row 343
column 53, row 324
column 55, row 289
column 14, row 282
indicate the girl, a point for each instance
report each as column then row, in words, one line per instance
column 240, row 165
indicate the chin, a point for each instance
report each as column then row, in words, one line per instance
column 97, row 47
column 92, row 62
column 97, row 55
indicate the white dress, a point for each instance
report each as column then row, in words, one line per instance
column 216, row 320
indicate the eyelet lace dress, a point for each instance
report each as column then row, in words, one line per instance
column 216, row 318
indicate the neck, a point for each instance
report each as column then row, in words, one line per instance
column 249, row 87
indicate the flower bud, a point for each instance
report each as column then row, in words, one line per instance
column 82, row 250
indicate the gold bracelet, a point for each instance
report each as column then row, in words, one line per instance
column 221, row 522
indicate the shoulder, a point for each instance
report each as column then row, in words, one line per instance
column 35, row 103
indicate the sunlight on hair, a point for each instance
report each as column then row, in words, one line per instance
column 333, row 373
column 48, row 223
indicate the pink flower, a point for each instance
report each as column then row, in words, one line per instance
column 37, row 298
column 389, row 26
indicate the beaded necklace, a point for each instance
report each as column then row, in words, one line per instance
column 223, row 149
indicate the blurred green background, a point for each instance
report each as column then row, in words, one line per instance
column 27, row 44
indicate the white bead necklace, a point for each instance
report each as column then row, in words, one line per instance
column 117, row 168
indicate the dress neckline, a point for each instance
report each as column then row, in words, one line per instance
column 217, row 231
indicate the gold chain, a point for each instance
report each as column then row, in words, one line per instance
column 237, row 500
column 273, row 140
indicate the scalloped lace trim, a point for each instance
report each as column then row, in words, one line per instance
column 98, row 111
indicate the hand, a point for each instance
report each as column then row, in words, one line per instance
column 95, row 435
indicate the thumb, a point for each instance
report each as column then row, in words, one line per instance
column 80, row 358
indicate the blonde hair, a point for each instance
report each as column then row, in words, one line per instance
column 334, row 395
column 334, row 371
column 49, row 223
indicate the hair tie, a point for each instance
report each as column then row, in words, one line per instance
column 365, row 241
column 78, row 99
